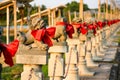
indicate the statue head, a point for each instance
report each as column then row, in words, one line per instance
column 77, row 20
column 36, row 23
column 61, row 19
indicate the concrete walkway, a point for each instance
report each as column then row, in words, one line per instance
column 106, row 68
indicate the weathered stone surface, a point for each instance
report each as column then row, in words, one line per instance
column 73, row 41
column 58, row 49
column 32, row 56
column 102, row 72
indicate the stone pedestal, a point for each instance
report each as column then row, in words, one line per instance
column 101, row 41
column 93, row 51
column 71, row 71
column 83, row 70
column 98, row 45
column 104, row 39
column 88, row 57
column 31, row 72
column 32, row 61
column 107, row 32
column 56, row 62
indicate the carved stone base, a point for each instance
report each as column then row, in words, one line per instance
column 100, row 54
column 56, row 62
column 31, row 60
column 56, row 78
column 96, row 58
column 73, row 70
column 31, row 72
column 59, row 49
column 32, row 56
column 102, row 49
column 94, row 55
column 55, row 65
column 83, row 70
column 89, row 60
column 105, row 47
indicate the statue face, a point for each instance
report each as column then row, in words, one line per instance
column 38, row 23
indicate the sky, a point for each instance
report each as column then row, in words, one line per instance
column 53, row 3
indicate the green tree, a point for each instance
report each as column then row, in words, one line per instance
column 74, row 6
column 43, row 7
column 103, row 7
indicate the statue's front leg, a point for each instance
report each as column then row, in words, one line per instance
column 40, row 45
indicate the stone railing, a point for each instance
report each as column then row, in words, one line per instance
column 80, row 53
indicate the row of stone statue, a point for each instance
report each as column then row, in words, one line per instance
column 80, row 42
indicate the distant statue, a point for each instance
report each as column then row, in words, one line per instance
column 80, row 29
column 60, row 33
column 76, row 22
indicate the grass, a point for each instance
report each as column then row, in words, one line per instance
column 45, row 71
column 13, row 73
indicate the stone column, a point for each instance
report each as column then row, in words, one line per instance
column 56, row 62
column 104, row 38
column 71, row 57
column 32, row 72
column 83, row 70
column 107, row 31
column 101, row 41
column 98, row 45
column 88, row 57
column 93, row 51
column 32, row 61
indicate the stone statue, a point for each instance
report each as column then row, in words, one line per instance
column 76, row 24
column 60, row 33
column 27, row 40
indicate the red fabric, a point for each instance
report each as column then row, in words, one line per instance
column 94, row 28
column 109, row 23
column 69, row 28
column 61, row 23
column 104, row 23
column 83, row 29
column 100, row 24
column 94, row 31
column 9, row 51
column 90, row 26
column 76, row 25
column 44, row 35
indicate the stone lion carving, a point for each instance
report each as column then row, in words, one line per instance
column 60, row 33
column 27, row 41
column 77, row 26
column 76, row 23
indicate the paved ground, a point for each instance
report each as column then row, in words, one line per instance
column 110, row 66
